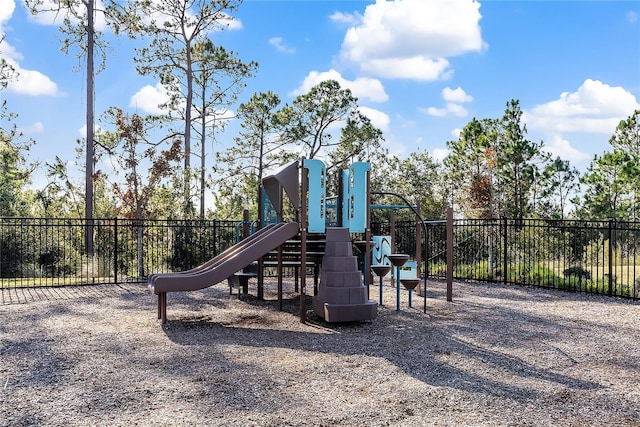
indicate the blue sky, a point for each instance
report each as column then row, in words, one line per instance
column 421, row 69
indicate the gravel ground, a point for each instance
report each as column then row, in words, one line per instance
column 496, row 356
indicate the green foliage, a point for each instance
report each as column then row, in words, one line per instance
column 559, row 182
column 193, row 244
column 471, row 168
column 577, row 271
column 407, row 177
column 607, row 192
column 516, row 163
column 14, row 171
column 181, row 55
column 56, row 260
column 613, row 179
column 305, row 123
column 129, row 148
column 535, row 275
column 479, row 270
column 218, row 77
column 14, row 254
column 542, row 275
column 241, row 167
column 14, row 177
column 360, row 141
column 494, row 166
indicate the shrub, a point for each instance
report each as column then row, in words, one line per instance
column 577, row 271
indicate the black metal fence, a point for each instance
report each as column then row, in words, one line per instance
column 51, row 252
column 599, row 257
column 582, row 256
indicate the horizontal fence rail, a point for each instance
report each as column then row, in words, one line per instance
column 582, row 256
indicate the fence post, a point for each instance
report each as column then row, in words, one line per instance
column 505, row 261
column 611, row 225
column 115, row 250
column 449, row 254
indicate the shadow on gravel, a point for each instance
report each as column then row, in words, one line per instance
column 435, row 355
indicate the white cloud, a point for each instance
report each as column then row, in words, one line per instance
column 435, row 112
column 32, row 83
column 280, row 47
column 49, row 15
column 148, row 99
column 405, row 123
column 456, row 109
column 632, row 16
column 456, row 95
column 7, row 7
column 32, row 129
column 361, row 88
column 454, row 98
column 378, row 118
column 396, row 148
column 26, row 82
column 413, row 68
column 558, row 146
column 439, row 154
column 346, row 18
column 456, row 133
column 9, row 53
column 594, row 108
column 410, row 39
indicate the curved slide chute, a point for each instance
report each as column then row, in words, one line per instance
column 224, row 254
column 223, row 265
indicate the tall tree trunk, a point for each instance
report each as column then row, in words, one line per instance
column 203, row 162
column 187, row 134
column 89, row 162
column 203, row 151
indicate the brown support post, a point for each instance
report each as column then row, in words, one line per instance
column 245, row 224
column 280, row 272
column 303, row 241
column 162, row 307
column 449, row 254
column 260, row 262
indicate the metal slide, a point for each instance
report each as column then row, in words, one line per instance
column 226, row 263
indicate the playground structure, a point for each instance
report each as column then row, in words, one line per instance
column 310, row 187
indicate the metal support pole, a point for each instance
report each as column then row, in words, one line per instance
column 398, row 288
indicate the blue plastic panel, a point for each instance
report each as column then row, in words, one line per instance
column 381, row 251
column 317, row 195
column 409, row 270
column 345, row 199
column 358, row 203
